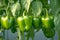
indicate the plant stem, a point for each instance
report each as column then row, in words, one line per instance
column 58, row 35
column 52, row 38
column 27, row 36
column 19, row 35
column 4, row 34
column 22, row 35
column 7, row 34
column 46, row 12
column 32, row 38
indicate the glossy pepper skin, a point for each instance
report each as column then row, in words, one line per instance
column 28, row 22
column 48, row 22
column 49, row 33
column 21, row 24
column 6, row 22
column 36, row 22
column 47, row 19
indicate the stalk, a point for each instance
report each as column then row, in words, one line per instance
column 32, row 33
column 52, row 38
column 7, row 35
column 19, row 34
column 27, row 36
column 22, row 35
column 46, row 14
column 58, row 35
column 4, row 34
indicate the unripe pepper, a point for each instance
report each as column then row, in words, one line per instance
column 47, row 21
column 48, row 25
column 49, row 33
column 28, row 22
column 6, row 22
column 21, row 24
column 36, row 22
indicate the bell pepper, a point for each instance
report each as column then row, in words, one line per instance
column 6, row 22
column 49, row 33
column 47, row 20
column 36, row 22
column 28, row 22
column 21, row 24
column 48, row 25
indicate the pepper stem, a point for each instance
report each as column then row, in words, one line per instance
column 7, row 13
column 7, row 35
column 24, row 13
column 46, row 12
column 4, row 34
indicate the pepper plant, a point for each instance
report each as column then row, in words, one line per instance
column 29, row 16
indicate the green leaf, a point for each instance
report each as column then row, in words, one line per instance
column 44, row 2
column 36, row 8
column 2, row 4
column 12, row 1
column 57, row 23
column 32, row 33
column 55, row 5
column 15, row 9
column 55, row 9
column 26, row 4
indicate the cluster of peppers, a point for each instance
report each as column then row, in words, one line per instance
column 25, row 23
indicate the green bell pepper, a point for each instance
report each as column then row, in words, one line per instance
column 49, row 33
column 21, row 24
column 47, row 20
column 28, row 22
column 6, row 22
column 36, row 22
